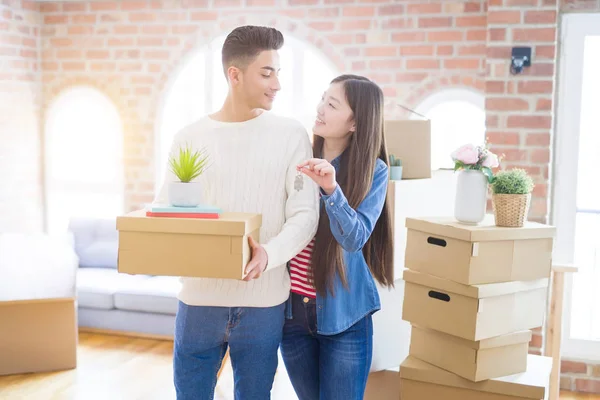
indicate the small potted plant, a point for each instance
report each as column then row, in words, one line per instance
column 187, row 166
column 395, row 168
column 475, row 164
column 511, row 197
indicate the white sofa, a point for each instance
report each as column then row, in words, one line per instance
column 109, row 300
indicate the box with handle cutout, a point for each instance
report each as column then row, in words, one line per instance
column 473, row 312
column 480, row 254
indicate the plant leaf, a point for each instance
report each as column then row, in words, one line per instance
column 188, row 165
column 489, row 173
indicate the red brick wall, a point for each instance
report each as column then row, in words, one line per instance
column 130, row 49
column 580, row 376
column 411, row 48
column 519, row 108
column 20, row 94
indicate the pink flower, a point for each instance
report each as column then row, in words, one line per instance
column 491, row 160
column 467, row 154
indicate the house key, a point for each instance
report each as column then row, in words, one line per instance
column 298, row 182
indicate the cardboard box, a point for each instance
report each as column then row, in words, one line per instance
column 410, row 140
column 473, row 360
column 422, row 381
column 206, row 248
column 480, row 254
column 37, row 335
column 383, row 385
column 473, row 312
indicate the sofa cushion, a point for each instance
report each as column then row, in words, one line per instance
column 157, row 294
column 96, row 242
column 127, row 321
column 96, row 286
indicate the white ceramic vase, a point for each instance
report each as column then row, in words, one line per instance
column 471, row 197
column 185, row 194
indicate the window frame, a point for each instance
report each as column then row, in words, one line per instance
column 564, row 210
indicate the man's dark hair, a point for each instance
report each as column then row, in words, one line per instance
column 245, row 43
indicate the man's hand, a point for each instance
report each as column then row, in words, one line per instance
column 258, row 262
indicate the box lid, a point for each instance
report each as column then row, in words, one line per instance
column 228, row 224
column 485, row 231
column 498, row 341
column 531, row 384
column 475, row 291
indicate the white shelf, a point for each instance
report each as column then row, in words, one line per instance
column 409, row 198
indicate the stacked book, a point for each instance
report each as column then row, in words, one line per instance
column 168, row 211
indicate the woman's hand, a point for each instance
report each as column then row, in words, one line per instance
column 321, row 172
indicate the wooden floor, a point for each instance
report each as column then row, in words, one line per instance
column 122, row 368
column 577, row 396
column 118, row 368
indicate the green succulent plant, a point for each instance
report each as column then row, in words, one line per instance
column 514, row 181
column 395, row 162
column 188, row 164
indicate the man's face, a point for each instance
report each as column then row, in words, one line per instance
column 259, row 82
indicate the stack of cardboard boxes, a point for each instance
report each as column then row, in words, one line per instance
column 472, row 295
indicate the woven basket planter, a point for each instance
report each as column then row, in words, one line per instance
column 511, row 210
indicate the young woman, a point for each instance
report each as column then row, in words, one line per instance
column 328, row 334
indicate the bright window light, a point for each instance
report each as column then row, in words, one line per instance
column 84, row 167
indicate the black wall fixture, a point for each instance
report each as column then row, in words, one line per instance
column 521, row 58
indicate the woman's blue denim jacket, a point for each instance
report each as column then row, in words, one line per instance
column 351, row 228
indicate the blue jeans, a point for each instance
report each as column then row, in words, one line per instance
column 326, row 367
column 202, row 335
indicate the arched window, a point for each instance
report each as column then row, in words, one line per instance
column 84, row 167
column 200, row 87
column 457, row 117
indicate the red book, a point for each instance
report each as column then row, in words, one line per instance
column 182, row 215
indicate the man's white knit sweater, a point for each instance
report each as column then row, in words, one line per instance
column 252, row 169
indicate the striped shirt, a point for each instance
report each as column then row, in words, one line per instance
column 300, row 273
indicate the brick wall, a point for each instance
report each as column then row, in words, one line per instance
column 20, row 93
column 129, row 50
column 411, row 48
column 519, row 108
column 579, row 376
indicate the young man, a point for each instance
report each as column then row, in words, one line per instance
column 253, row 156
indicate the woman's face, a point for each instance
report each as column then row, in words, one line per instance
column 334, row 117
